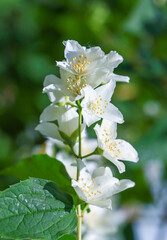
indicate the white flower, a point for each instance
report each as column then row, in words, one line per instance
column 49, row 130
column 88, row 146
column 82, row 67
column 114, row 149
column 104, row 221
column 52, row 86
column 82, row 61
column 96, row 104
column 92, row 235
column 98, row 188
column 67, row 118
column 70, row 84
column 70, row 163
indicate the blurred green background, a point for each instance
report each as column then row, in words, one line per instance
column 31, row 35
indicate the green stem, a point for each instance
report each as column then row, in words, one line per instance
column 71, row 104
column 75, row 155
column 88, row 155
column 83, row 211
column 79, row 228
column 80, row 140
column 82, row 157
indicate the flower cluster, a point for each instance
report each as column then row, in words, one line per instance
column 80, row 98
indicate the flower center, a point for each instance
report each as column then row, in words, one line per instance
column 79, row 65
column 76, row 83
column 98, row 106
column 89, row 188
column 110, row 144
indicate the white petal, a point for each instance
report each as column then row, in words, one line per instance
column 71, row 45
column 54, row 92
column 69, row 127
column 98, row 172
column 119, row 78
column 89, row 118
column 97, row 77
column 94, row 53
column 78, row 190
column 51, row 79
column 81, row 165
column 127, row 152
column 106, row 91
column 125, row 184
column 51, row 88
column 67, row 113
column 108, row 172
column 65, row 74
column 113, row 59
column 97, row 129
column 68, row 120
column 106, row 203
column 102, row 171
column 50, row 113
column 56, row 96
column 108, row 186
column 71, row 48
column 88, row 93
column 83, row 171
column 113, row 114
column 88, row 146
column 118, row 164
column 110, row 127
column 49, row 130
column 69, row 163
column 66, row 66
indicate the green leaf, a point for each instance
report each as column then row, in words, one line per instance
column 36, row 208
column 68, row 237
column 42, row 166
column 69, row 140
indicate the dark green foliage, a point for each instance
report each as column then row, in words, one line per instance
column 36, row 208
column 68, row 237
column 42, row 166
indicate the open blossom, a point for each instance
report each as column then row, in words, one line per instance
column 98, row 188
column 96, row 104
column 70, row 84
column 70, row 163
column 80, row 60
column 88, row 146
column 67, row 118
column 83, row 66
column 83, row 61
column 52, row 86
column 114, row 149
column 103, row 222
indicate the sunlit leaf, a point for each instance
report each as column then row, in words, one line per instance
column 42, row 166
column 36, row 208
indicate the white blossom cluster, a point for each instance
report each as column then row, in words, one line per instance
column 87, row 79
